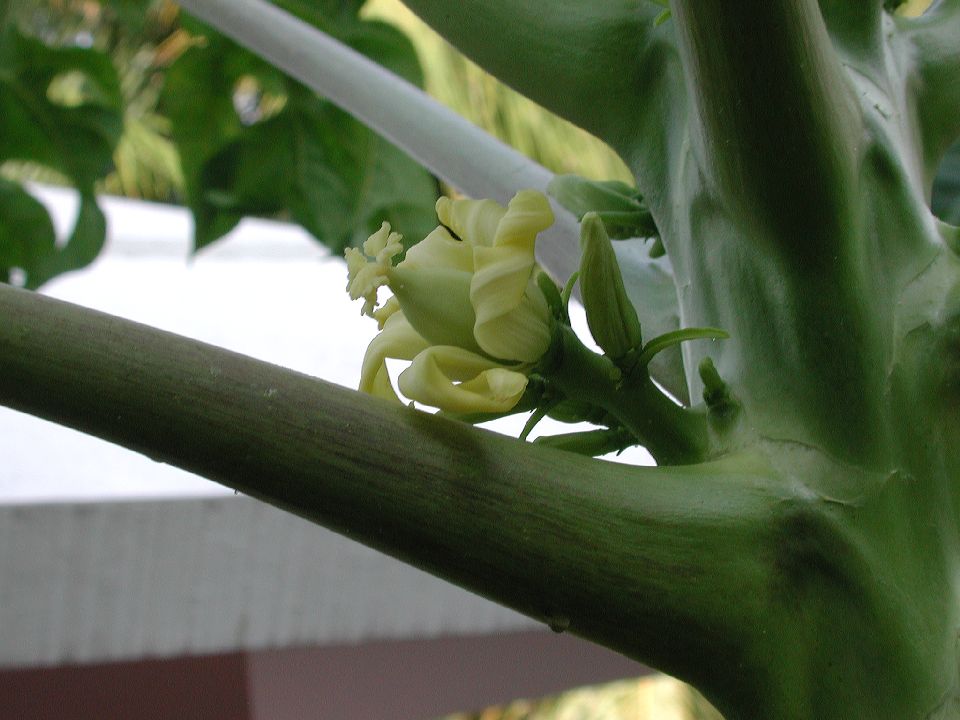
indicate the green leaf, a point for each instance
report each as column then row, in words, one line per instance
column 60, row 107
column 28, row 240
column 82, row 248
column 323, row 170
column 620, row 207
column 26, row 233
column 945, row 200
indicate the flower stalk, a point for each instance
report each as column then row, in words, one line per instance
column 674, row 435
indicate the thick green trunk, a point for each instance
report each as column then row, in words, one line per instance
column 802, row 230
column 790, row 181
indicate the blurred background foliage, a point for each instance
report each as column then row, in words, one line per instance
column 192, row 112
column 196, row 113
column 139, row 100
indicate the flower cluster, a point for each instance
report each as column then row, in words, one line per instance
column 466, row 309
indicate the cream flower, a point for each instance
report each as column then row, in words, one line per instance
column 466, row 309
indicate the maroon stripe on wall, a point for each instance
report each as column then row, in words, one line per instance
column 381, row 680
column 422, row 679
column 194, row 688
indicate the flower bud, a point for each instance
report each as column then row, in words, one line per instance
column 611, row 316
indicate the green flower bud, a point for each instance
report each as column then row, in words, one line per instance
column 611, row 317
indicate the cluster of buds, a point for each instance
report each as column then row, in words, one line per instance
column 466, row 309
column 487, row 333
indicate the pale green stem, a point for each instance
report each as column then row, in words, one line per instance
column 672, row 434
column 777, row 129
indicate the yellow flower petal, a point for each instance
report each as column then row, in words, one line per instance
column 391, row 306
column 462, row 307
column 436, row 301
column 513, row 320
column 522, row 334
column 365, row 283
column 383, row 245
column 501, row 388
column 439, row 249
column 484, row 386
column 474, row 221
column 399, row 341
column 500, row 280
column 527, row 214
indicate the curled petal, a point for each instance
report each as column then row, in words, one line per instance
column 500, row 280
column 521, row 334
column 527, row 214
column 399, row 341
column 391, row 306
column 475, row 221
column 439, row 249
column 513, row 320
column 364, row 284
column 455, row 380
column 356, row 261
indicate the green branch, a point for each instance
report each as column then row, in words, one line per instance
column 936, row 37
column 674, row 556
column 442, row 141
column 717, row 573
